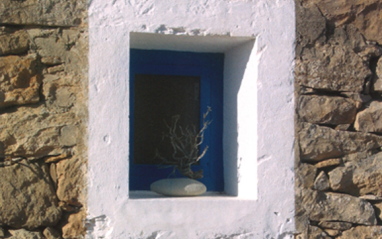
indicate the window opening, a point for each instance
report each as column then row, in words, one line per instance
column 168, row 83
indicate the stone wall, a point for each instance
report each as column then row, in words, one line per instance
column 338, row 78
column 43, row 118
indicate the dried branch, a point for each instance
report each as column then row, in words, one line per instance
column 185, row 146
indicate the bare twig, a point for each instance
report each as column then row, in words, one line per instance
column 185, row 146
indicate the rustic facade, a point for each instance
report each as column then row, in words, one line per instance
column 43, row 118
column 338, row 101
column 44, row 114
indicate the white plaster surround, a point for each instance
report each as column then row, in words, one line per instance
column 257, row 38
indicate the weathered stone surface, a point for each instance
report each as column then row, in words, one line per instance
column 378, row 210
column 305, row 175
column 342, row 127
column 310, row 26
column 63, row 93
column 361, row 98
column 43, row 12
column 13, row 42
column 53, row 174
column 321, row 206
column 358, row 156
column 332, row 232
column 333, row 66
column 371, row 50
column 349, row 37
column 178, row 187
column 70, row 186
column 341, row 180
column 328, row 163
column 67, row 47
column 358, row 177
column 50, row 233
column 362, row 232
column 326, row 109
column 319, row 142
column 68, row 208
column 22, row 233
column 317, row 233
column 378, row 77
column 51, row 128
column 365, row 15
column 302, row 221
column 69, row 134
column 54, row 159
column 51, row 60
column 75, row 226
column 322, row 182
column 336, row 225
column 371, row 198
column 28, row 187
column 55, row 69
column 33, row 131
column 19, row 80
column 369, row 119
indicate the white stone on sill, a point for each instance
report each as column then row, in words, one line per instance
column 178, row 187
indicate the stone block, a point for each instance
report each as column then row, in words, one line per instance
column 310, row 25
column 75, row 226
column 357, row 178
column 51, row 233
column 329, row 163
column 362, row 232
column 322, row 182
column 13, row 42
column 322, row 206
column 326, row 109
column 305, row 175
column 70, row 186
column 318, row 142
column 22, row 233
column 368, row 120
column 332, row 67
column 34, row 202
column 365, row 15
column 19, row 80
column 34, row 131
column 43, row 12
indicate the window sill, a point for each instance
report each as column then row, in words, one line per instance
column 138, row 195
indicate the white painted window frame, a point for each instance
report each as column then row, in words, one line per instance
column 258, row 41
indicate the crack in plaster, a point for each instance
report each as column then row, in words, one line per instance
column 163, row 29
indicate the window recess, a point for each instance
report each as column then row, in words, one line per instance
column 164, row 84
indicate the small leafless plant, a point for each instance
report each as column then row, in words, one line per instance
column 185, row 143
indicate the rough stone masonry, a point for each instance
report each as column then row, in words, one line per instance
column 43, row 117
column 338, row 78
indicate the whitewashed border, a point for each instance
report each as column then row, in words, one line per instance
column 111, row 214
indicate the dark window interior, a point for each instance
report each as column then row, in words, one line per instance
column 157, row 99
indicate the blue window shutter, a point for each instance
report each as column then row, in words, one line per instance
column 207, row 66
